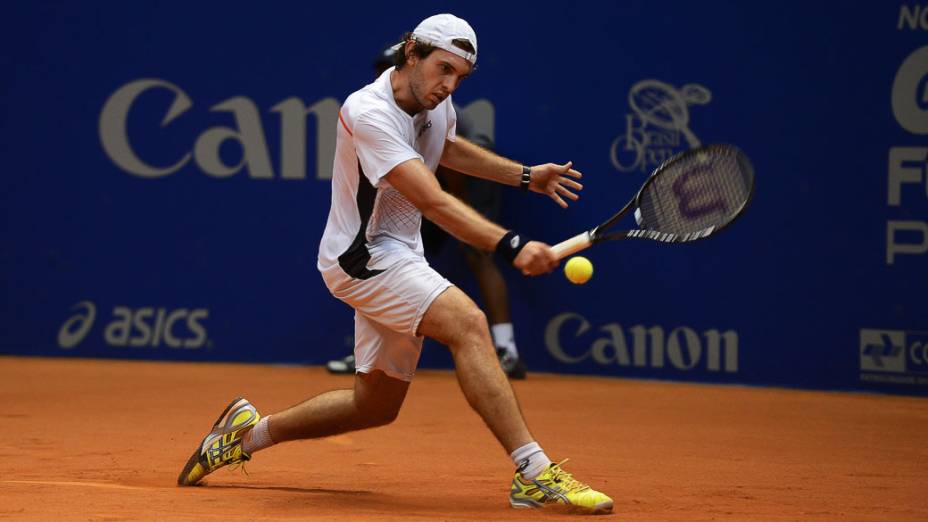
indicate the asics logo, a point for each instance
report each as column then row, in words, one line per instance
column 550, row 494
column 138, row 327
column 74, row 330
column 424, row 128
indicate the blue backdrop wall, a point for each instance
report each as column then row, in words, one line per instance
column 165, row 181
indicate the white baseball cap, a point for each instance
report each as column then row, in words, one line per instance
column 442, row 29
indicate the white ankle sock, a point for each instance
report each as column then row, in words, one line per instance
column 530, row 460
column 258, row 438
column 504, row 337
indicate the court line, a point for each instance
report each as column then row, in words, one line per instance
column 81, row 484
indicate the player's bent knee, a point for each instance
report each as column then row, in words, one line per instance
column 373, row 415
column 378, row 398
column 454, row 319
column 385, row 417
column 474, row 320
column 471, row 329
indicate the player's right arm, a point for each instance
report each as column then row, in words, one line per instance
column 415, row 182
column 385, row 156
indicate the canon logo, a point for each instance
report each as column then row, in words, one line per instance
column 248, row 132
column 639, row 346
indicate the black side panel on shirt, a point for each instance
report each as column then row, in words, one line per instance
column 354, row 260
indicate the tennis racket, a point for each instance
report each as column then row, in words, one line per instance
column 691, row 196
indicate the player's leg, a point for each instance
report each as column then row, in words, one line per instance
column 486, row 197
column 495, row 297
column 240, row 431
column 454, row 320
column 386, row 362
column 375, row 401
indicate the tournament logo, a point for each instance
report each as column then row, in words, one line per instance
column 658, row 125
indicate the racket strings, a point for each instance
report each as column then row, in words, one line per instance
column 704, row 189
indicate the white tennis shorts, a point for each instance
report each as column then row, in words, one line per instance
column 388, row 308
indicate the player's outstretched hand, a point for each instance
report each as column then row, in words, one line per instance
column 536, row 258
column 555, row 181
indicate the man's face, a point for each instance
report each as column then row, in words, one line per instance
column 435, row 77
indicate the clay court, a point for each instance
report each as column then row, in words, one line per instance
column 104, row 440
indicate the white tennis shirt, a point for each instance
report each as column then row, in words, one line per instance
column 369, row 218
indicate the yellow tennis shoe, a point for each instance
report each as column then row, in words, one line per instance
column 223, row 445
column 556, row 487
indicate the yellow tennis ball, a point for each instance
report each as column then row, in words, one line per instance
column 578, row 270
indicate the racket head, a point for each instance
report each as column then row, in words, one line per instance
column 694, row 194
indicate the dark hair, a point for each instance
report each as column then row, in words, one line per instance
column 422, row 50
column 463, row 45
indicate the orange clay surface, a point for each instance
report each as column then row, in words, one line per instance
column 105, row 440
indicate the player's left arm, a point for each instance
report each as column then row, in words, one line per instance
column 557, row 181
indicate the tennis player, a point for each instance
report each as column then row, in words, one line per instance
column 392, row 135
column 485, row 197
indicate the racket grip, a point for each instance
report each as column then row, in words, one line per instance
column 573, row 245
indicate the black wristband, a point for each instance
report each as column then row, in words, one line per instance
column 526, row 178
column 510, row 246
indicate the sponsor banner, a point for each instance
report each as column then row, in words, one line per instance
column 145, row 327
column 908, row 164
column 166, row 183
column 571, row 339
column 247, row 133
column 894, row 357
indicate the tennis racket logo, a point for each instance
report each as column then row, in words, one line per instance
column 691, row 192
column 691, row 196
column 74, row 330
